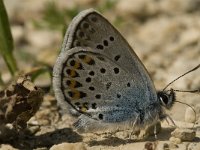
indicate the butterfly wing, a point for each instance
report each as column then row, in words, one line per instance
column 99, row 75
column 91, row 29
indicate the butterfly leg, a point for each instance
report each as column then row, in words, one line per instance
column 155, row 132
column 133, row 125
column 172, row 121
column 152, row 130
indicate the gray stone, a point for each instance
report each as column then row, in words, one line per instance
column 184, row 134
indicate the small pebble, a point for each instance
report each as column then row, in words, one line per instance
column 150, row 146
column 175, row 140
column 173, row 146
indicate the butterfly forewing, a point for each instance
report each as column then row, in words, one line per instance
column 91, row 29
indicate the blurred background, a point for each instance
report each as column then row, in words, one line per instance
column 163, row 33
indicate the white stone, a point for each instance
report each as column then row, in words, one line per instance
column 175, row 140
column 190, row 115
column 68, row 146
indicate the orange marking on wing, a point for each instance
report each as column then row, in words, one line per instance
column 77, row 65
column 76, row 94
column 73, row 73
column 72, row 84
column 87, row 59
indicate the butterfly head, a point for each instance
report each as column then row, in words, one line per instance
column 166, row 98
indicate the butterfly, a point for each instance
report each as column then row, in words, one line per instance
column 99, row 77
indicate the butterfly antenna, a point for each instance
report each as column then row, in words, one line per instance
column 195, row 68
column 189, row 91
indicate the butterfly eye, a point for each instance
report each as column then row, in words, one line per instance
column 164, row 99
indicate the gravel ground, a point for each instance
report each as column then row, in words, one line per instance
column 164, row 34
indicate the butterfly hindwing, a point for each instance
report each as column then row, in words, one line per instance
column 93, row 84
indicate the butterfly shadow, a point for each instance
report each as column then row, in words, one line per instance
column 45, row 140
column 164, row 135
column 110, row 141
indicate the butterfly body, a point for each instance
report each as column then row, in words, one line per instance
column 99, row 76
